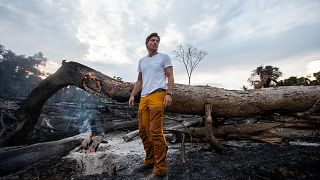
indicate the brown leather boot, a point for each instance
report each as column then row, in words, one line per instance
column 143, row 168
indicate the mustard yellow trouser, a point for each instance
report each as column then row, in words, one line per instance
column 151, row 131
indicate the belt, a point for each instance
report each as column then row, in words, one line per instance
column 158, row 90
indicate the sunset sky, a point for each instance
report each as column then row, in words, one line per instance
column 109, row 35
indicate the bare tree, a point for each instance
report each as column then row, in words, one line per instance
column 190, row 56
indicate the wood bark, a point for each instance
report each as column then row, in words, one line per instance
column 128, row 137
column 270, row 132
column 185, row 124
column 192, row 122
column 213, row 141
column 112, row 126
column 16, row 158
column 187, row 99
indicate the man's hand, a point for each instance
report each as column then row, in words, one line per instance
column 167, row 101
column 131, row 101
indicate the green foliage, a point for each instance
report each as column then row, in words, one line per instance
column 263, row 76
column 19, row 74
column 317, row 75
column 317, row 80
column 301, row 81
column 294, row 81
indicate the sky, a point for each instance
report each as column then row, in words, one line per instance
column 109, row 35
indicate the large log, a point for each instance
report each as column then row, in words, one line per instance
column 187, row 99
column 271, row 132
column 16, row 158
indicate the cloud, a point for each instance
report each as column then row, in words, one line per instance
column 228, row 77
column 109, row 34
column 109, row 28
column 33, row 26
column 299, row 40
column 205, row 26
column 171, row 37
column 102, row 32
column 272, row 18
column 313, row 65
column 51, row 66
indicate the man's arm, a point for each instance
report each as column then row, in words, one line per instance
column 169, row 74
column 136, row 89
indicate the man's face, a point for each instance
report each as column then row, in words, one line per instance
column 153, row 43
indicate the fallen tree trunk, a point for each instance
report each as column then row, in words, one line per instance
column 272, row 132
column 185, row 124
column 113, row 126
column 128, row 137
column 16, row 158
column 192, row 122
column 187, row 99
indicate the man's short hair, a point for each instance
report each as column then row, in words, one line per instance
column 152, row 35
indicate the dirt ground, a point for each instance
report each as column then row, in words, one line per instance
column 241, row 160
column 261, row 161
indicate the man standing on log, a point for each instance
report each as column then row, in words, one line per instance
column 155, row 81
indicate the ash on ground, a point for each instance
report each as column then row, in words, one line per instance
column 241, row 160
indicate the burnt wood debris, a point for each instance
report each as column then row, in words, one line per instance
column 294, row 110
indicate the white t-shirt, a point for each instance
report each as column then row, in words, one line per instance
column 153, row 73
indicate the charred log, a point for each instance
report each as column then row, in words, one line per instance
column 16, row 158
column 191, row 122
column 128, row 137
column 272, row 132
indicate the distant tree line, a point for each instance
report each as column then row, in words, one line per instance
column 20, row 74
column 267, row 76
column 301, row 81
